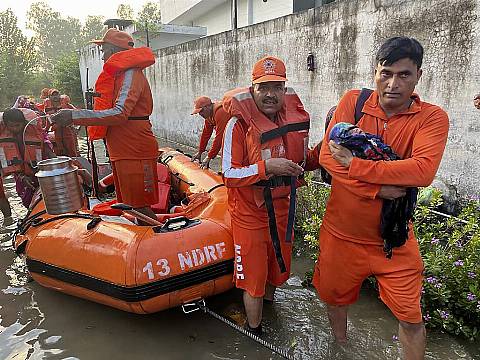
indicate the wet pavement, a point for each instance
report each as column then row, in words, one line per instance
column 38, row 323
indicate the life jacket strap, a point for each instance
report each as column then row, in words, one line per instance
column 146, row 117
column 272, row 225
column 278, row 132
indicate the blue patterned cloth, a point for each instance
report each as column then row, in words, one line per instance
column 363, row 145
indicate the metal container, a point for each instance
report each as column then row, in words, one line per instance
column 60, row 186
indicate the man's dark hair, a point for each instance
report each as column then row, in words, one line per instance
column 12, row 115
column 397, row 48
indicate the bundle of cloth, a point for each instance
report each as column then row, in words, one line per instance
column 396, row 214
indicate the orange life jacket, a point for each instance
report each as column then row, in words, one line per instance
column 11, row 159
column 287, row 138
column 265, row 139
column 49, row 108
column 117, row 64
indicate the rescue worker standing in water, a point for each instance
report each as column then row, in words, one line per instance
column 215, row 118
column 121, row 116
column 265, row 143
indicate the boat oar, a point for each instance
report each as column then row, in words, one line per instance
column 130, row 210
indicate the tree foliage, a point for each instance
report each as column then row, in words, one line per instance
column 93, row 28
column 54, row 35
column 125, row 11
column 66, row 77
column 17, row 58
column 149, row 14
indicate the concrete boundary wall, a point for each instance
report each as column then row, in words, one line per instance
column 343, row 36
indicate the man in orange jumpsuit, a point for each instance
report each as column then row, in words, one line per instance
column 122, row 112
column 215, row 118
column 66, row 142
column 351, row 247
column 263, row 154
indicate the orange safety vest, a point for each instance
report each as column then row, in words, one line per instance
column 11, row 159
column 265, row 139
column 287, row 138
column 117, row 64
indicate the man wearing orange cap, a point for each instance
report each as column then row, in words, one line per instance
column 215, row 118
column 264, row 153
column 66, row 142
column 121, row 116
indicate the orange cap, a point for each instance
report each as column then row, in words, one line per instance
column 51, row 91
column 200, row 103
column 269, row 68
column 116, row 37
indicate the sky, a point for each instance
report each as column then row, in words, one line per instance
column 76, row 8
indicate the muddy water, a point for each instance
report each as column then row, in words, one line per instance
column 37, row 323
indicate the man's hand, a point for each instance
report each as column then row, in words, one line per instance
column 27, row 181
column 476, row 101
column 63, row 117
column 197, row 156
column 340, row 153
column 205, row 163
column 391, row 192
column 282, row 167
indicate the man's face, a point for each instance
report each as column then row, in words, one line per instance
column 269, row 97
column 207, row 111
column 55, row 97
column 396, row 83
column 108, row 50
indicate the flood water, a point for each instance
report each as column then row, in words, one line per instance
column 38, row 323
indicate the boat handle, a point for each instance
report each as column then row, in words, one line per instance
column 177, row 223
column 192, row 307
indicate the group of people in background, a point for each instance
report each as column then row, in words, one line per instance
column 27, row 135
column 262, row 134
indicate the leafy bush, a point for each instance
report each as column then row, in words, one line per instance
column 312, row 201
column 450, row 248
column 451, row 253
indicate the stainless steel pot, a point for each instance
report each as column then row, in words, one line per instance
column 60, row 186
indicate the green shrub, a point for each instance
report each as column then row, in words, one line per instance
column 450, row 249
column 451, row 253
column 311, row 200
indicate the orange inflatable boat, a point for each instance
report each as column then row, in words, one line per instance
column 140, row 269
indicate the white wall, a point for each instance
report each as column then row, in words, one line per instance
column 172, row 8
column 218, row 19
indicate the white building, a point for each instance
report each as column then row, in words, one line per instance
column 216, row 15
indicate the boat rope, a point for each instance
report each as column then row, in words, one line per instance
column 282, row 352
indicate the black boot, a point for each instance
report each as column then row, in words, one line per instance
column 255, row 331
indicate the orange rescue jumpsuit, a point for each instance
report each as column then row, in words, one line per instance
column 131, row 144
column 217, row 121
column 351, row 247
column 255, row 260
column 66, row 142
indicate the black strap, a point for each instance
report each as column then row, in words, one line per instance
column 274, row 133
column 275, row 181
column 272, row 225
column 146, row 117
column 362, row 98
column 291, row 209
column 37, row 143
column 11, row 140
